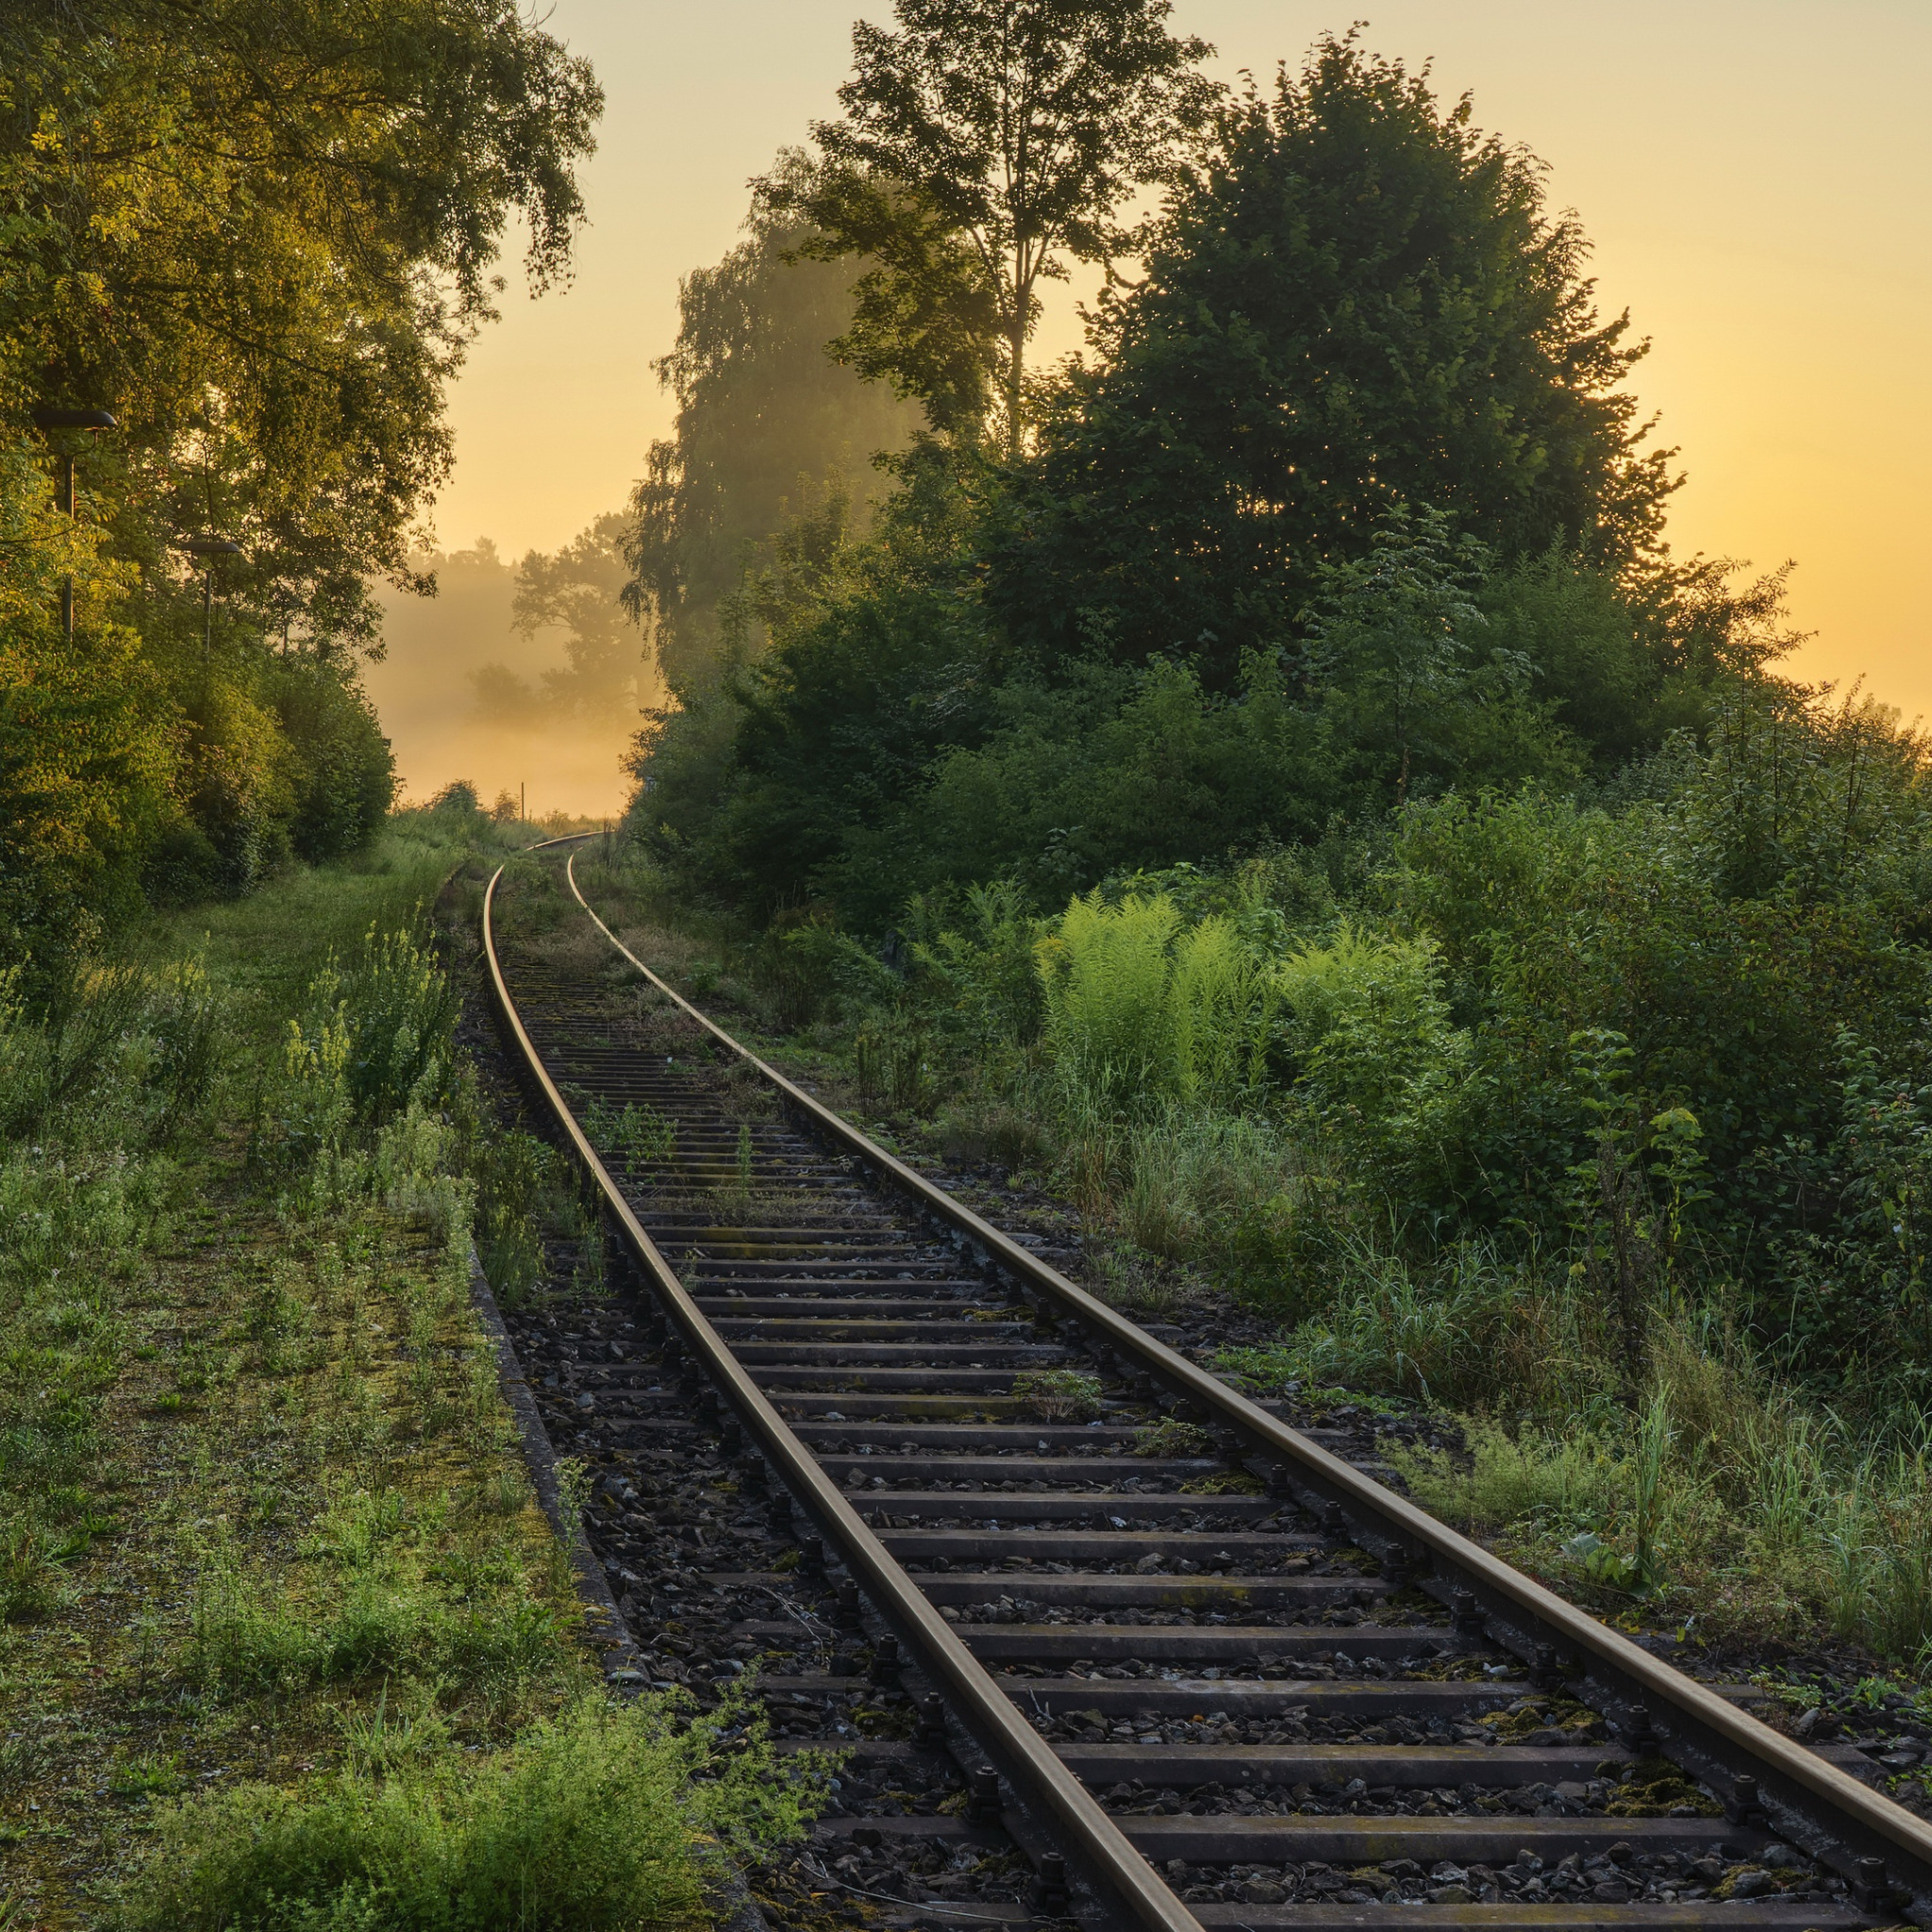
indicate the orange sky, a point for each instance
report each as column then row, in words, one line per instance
column 1755, row 177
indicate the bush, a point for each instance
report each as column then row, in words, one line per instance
column 1368, row 1031
column 343, row 780
column 457, row 800
column 369, row 1043
column 605, row 1820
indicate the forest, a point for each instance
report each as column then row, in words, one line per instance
column 1266, row 784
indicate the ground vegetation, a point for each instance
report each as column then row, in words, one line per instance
column 284, row 1637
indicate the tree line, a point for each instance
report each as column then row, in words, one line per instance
column 1348, row 502
column 1323, row 612
column 260, row 238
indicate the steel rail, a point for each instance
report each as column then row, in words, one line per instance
column 1093, row 1838
column 1821, row 1808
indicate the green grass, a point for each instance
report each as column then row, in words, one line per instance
column 267, row 1551
column 1727, row 1503
column 603, row 1819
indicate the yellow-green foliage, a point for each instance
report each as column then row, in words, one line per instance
column 1221, row 1000
column 1106, row 971
column 87, row 744
column 1140, row 1008
column 605, row 1820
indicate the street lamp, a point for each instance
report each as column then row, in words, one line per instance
column 50, row 419
column 207, row 549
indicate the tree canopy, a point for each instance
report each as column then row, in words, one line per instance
column 1347, row 512
column 1356, row 300
column 262, row 233
column 984, row 143
column 763, row 414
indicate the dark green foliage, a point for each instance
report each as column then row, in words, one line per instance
column 1111, row 770
column 457, row 800
column 1756, row 949
column 344, row 778
column 757, row 784
column 888, row 742
column 1357, row 300
column 1394, row 547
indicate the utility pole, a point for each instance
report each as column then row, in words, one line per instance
column 49, row 420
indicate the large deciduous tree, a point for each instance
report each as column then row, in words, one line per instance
column 1357, row 300
column 985, row 144
column 759, row 407
column 262, row 232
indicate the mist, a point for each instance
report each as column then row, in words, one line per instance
column 524, row 726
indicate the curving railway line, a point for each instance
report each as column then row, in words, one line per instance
column 1106, row 1639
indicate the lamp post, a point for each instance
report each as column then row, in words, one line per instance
column 49, row 420
column 207, row 549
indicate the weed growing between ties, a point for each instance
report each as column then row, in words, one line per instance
column 267, row 1550
column 1409, row 1123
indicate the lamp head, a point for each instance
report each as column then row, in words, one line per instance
column 46, row 418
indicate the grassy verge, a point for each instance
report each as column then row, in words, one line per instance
column 286, row 1639
column 1725, row 1504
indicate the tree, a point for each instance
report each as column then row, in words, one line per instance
column 1395, row 651
column 1357, row 300
column 263, row 231
column 580, row 589
column 88, row 754
column 984, row 143
column 760, row 407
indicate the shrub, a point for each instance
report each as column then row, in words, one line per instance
column 604, row 1819
column 1141, row 1007
column 1058, row 1394
column 518, row 1180
column 344, row 777
column 1106, row 972
column 1368, row 1033
column 1471, row 1323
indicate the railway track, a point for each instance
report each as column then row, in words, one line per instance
column 1105, row 1639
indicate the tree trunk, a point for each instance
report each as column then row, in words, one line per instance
column 1016, row 381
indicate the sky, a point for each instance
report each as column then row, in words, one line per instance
column 1754, row 178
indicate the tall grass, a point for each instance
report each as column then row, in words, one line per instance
column 1728, row 1493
